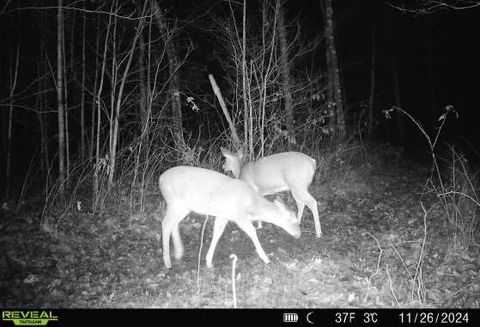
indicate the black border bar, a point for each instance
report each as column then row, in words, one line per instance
column 246, row 317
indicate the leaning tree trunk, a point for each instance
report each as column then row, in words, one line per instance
column 333, row 70
column 173, row 66
column 286, row 74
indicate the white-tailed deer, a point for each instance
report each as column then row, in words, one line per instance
column 279, row 172
column 207, row 192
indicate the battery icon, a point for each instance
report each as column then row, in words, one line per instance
column 290, row 317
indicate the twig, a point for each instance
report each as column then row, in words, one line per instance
column 378, row 266
column 390, row 284
column 418, row 270
column 460, row 193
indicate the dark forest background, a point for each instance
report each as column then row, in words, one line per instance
column 104, row 89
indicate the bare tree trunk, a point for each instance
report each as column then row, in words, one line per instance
column 173, row 66
column 141, row 84
column 118, row 103
column 143, row 105
column 247, row 114
column 41, row 107
column 65, row 102
column 333, row 70
column 94, row 97
column 98, row 103
column 145, row 96
column 395, row 81
column 114, row 70
column 60, row 105
column 330, row 100
column 82, row 94
column 371, row 99
column 13, row 85
column 286, row 74
column 266, row 68
column 43, row 101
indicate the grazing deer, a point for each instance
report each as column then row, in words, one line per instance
column 207, row 192
column 279, row 172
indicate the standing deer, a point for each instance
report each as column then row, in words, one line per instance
column 203, row 191
column 279, row 172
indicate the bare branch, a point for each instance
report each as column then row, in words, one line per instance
column 80, row 9
column 424, row 7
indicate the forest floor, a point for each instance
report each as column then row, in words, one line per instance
column 379, row 248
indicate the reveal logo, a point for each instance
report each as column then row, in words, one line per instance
column 28, row 317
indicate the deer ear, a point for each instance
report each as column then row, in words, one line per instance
column 225, row 152
column 279, row 199
column 279, row 203
column 240, row 154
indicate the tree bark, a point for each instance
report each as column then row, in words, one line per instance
column 94, row 97
column 333, row 70
column 286, row 74
column 42, row 102
column 98, row 103
column 142, row 103
column 60, row 104
column 65, row 102
column 118, row 103
column 82, row 94
column 173, row 66
column 247, row 110
column 13, row 85
column 42, row 107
